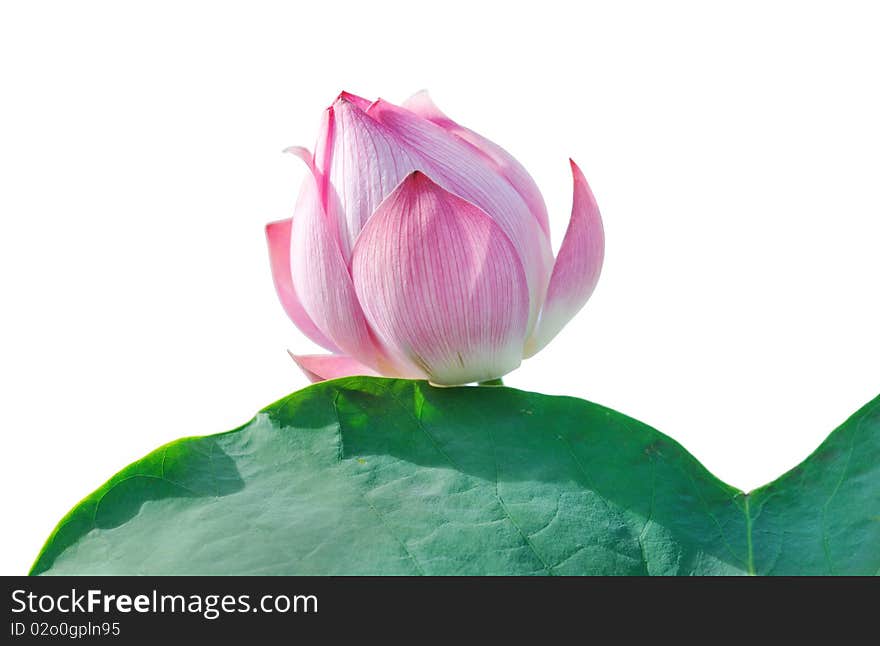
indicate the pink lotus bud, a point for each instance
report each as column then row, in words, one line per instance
column 419, row 249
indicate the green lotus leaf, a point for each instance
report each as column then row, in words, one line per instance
column 394, row 477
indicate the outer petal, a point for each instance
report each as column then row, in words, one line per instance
column 421, row 104
column 577, row 266
column 278, row 237
column 319, row 367
column 442, row 284
column 465, row 171
column 321, row 280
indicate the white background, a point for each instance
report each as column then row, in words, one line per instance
column 733, row 150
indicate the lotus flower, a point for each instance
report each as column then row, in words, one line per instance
column 419, row 249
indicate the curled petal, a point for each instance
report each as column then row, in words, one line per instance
column 319, row 367
column 321, row 280
column 278, row 237
column 304, row 154
column 507, row 165
column 577, row 266
column 441, row 284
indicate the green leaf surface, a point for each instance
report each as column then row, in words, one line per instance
column 381, row 476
